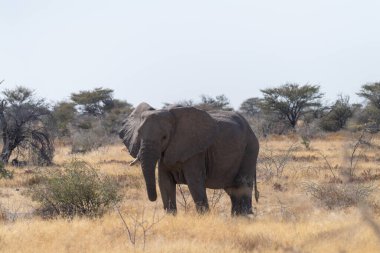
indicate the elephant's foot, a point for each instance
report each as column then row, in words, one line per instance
column 241, row 206
column 202, row 208
column 171, row 211
column 241, row 200
column 170, row 207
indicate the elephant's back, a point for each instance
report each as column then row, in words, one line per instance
column 225, row 155
column 234, row 119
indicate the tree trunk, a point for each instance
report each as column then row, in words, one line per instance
column 6, row 152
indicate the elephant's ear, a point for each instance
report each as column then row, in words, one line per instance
column 195, row 130
column 129, row 131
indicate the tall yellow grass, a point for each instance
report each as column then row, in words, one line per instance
column 287, row 219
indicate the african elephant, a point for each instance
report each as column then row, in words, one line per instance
column 216, row 150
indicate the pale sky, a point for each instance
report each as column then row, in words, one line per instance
column 165, row 51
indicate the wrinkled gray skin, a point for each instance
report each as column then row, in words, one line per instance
column 216, row 150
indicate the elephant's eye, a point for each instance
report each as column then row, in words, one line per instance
column 164, row 138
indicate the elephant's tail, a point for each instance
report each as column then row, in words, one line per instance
column 257, row 193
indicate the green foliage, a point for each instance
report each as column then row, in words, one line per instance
column 4, row 173
column 75, row 190
column 94, row 102
column 64, row 113
column 251, row 106
column 90, row 132
column 114, row 117
column 367, row 118
column 220, row 102
column 337, row 117
column 305, row 140
column 207, row 103
column 291, row 101
column 371, row 92
column 370, row 116
column 19, row 95
column 99, row 119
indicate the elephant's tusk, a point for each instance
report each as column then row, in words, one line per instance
column 134, row 162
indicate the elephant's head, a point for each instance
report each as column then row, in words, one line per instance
column 173, row 135
column 128, row 133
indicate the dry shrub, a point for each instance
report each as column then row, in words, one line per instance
column 272, row 164
column 215, row 197
column 184, row 199
column 138, row 226
column 88, row 138
column 75, row 190
column 85, row 141
column 332, row 195
column 34, row 180
column 367, row 176
column 307, row 132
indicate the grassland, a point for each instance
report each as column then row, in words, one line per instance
column 287, row 217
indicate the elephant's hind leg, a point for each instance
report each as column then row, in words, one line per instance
column 241, row 200
column 245, row 181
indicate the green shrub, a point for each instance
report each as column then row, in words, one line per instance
column 77, row 189
column 4, row 173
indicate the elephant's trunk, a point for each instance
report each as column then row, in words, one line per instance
column 149, row 156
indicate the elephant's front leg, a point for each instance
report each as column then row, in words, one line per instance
column 167, row 189
column 195, row 175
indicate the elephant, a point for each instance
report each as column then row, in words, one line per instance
column 215, row 149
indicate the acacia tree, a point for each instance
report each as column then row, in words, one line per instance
column 114, row 116
column 371, row 92
column 291, row 101
column 95, row 116
column 251, row 106
column 220, row 102
column 94, row 102
column 370, row 115
column 24, row 124
column 64, row 113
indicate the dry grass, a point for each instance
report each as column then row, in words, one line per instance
column 287, row 218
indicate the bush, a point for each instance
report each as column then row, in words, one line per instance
column 338, row 116
column 339, row 195
column 75, row 190
column 85, row 140
column 4, row 173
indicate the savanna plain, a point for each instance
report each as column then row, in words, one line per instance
column 318, row 195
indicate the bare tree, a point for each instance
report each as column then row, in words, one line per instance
column 273, row 164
